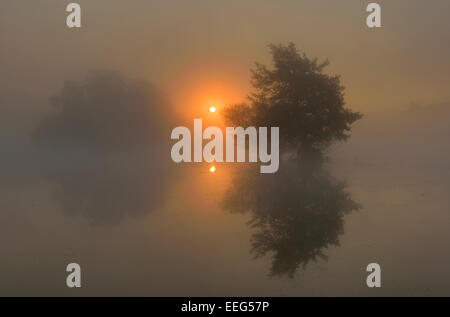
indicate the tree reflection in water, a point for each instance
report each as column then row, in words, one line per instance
column 296, row 213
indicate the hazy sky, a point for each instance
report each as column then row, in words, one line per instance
column 202, row 50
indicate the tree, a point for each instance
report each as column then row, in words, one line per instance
column 105, row 112
column 297, row 96
column 298, row 212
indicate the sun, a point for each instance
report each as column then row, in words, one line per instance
column 212, row 169
column 212, row 109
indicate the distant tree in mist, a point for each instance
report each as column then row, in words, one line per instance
column 297, row 96
column 105, row 112
column 297, row 213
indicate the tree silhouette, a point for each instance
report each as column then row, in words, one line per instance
column 298, row 212
column 297, row 96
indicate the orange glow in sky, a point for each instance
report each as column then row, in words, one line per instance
column 198, row 92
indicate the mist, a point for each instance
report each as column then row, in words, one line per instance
column 87, row 176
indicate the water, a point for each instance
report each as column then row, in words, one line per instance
column 137, row 230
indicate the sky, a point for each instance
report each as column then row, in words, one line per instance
column 202, row 51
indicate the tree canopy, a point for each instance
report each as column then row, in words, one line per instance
column 297, row 96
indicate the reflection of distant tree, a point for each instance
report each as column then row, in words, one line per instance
column 104, row 146
column 295, row 214
column 107, row 188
